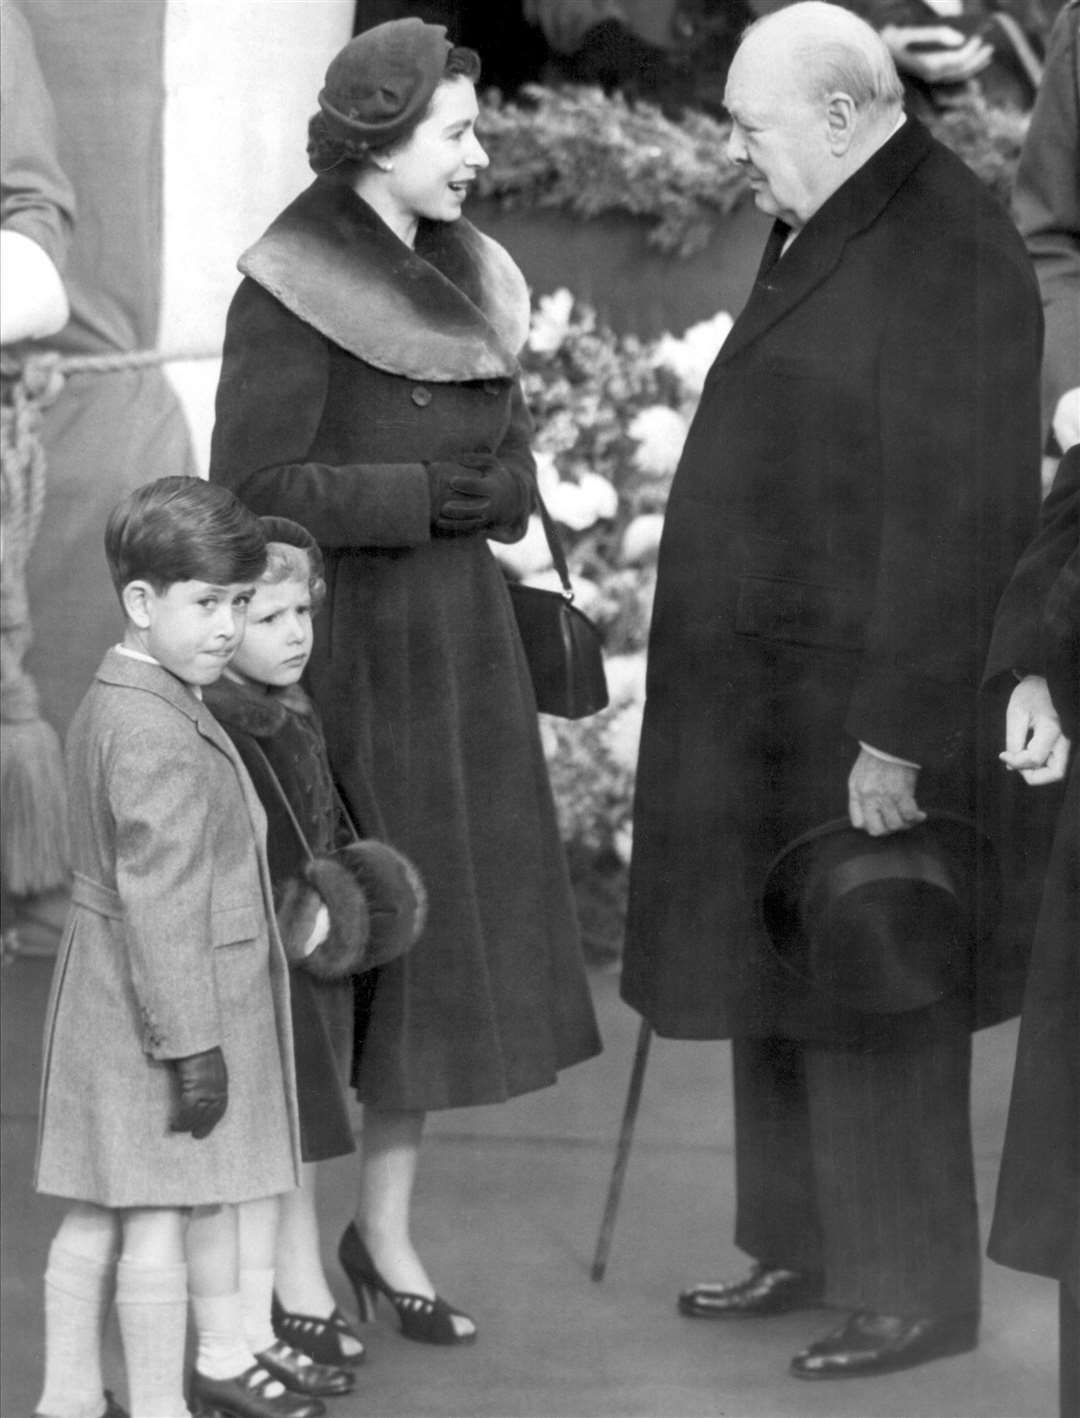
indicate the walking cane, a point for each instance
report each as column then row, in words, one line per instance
column 622, row 1152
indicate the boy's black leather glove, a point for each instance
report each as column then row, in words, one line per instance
column 473, row 493
column 203, row 1093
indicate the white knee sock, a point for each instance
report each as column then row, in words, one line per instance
column 256, row 1300
column 222, row 1351
column 151, row 1307
column 78, row 1292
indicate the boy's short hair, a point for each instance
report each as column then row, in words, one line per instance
column 293, row 554
column 183, row 529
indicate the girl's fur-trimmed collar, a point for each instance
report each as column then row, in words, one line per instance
column 455, row 308
column 262, row 713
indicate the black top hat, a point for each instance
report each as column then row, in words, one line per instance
column 883, row 924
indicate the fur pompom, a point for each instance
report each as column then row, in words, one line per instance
column 296, row 909
column 347, row 948
column 396, row 899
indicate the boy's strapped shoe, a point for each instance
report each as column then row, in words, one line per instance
column 246, row 1396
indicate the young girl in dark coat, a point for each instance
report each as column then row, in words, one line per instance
column 343, row 904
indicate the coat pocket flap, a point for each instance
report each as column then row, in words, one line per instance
column 800, row 613
column 230, row 924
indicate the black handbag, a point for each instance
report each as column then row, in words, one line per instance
column 562, row 645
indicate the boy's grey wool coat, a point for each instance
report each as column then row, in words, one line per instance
column 169, row 950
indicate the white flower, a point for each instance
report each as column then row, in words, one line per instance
column 641, row 540
column 623, row 841
column 548, row 477
column 549, row 739
column 691, row 357
column 578, row 505
column 551, row 321
column 530, row 555
column 626, row 678
column 624, row 735
column 660, row 432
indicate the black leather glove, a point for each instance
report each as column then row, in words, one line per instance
column 473, row 493
column 202, row 1093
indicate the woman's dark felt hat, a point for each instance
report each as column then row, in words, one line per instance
column 379, row 85
column 883, row 924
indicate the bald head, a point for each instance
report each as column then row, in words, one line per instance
column 825, row 49
column 812, row 93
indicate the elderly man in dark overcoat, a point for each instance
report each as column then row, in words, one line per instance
column 860, row 477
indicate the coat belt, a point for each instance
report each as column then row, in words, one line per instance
column 102, row 900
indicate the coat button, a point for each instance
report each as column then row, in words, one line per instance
column 421, row 397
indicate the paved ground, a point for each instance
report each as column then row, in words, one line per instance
column 508, row 1209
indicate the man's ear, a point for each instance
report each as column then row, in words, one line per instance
column 138, row 598
column 840, row 118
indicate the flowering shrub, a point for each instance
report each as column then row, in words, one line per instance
column 611, row 413
column 587, row 152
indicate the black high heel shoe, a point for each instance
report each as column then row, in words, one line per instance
column 322, row 1340
column 423, row 1319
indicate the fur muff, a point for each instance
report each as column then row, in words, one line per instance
column 346, row 949
column 297, row 907
column 395, row 896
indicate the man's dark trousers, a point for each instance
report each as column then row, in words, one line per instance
column 858, row 1163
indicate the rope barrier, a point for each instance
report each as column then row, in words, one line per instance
column 33, row 824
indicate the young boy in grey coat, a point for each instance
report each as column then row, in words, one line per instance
column 168, row 1095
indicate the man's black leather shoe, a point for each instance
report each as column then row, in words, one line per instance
column 869, row 1343
column 767, row 1290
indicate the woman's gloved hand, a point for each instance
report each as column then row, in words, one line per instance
column 473, row 493
column 202, row 1093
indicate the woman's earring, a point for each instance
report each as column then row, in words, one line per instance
column 385, row 166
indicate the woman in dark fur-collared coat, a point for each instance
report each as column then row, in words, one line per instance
column 369, row 391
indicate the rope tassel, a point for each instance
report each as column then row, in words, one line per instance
column 34, row 840
column 33, row 801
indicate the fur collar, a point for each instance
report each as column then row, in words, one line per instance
column 455, row 308
column 245, row 709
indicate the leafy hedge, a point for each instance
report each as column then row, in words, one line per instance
column 587, row 153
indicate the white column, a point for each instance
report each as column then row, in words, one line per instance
column 241, row 80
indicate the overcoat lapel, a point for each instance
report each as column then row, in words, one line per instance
column 155, row 679
column 785, row 281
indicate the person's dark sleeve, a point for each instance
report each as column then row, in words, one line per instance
column 515, row 454
column 270, row 400
column 1037, row 626
column 958, row 418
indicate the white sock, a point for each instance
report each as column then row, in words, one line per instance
column 256, row 1301
column 78, row 1292
column 151, row 1307
column 222, row 1352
